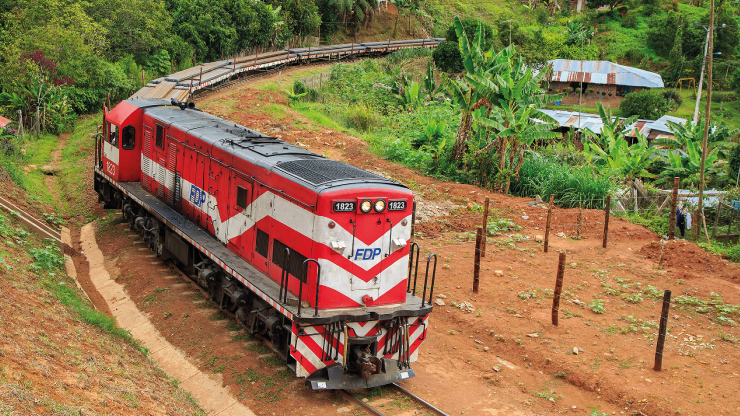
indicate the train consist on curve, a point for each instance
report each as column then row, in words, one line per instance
column 311, row 254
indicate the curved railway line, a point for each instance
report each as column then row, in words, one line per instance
column 205, row 79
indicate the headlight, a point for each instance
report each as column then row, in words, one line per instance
column 366, row 206
column 380, row 205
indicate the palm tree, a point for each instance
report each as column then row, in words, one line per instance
column 719, row 136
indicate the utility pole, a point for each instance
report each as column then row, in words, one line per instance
column 710, row 37
column 703, row 63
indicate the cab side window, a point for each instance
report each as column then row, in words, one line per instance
column 128, row 137
column 113, row 135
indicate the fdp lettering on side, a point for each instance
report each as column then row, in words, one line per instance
column 367, row 253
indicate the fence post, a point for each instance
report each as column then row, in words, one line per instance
column 558, row 289
column 674, row 204
column 662, row 331
column 578, row 230
column 476, row 266
column 485, row 229
column 549, row 219
column 606, row 219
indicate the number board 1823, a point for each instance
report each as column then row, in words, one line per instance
column 344, row 206
column 399, row 205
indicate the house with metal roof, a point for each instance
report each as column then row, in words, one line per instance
column 579, row 122
column 599, row 78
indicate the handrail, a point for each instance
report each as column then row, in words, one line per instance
column 434, row 275
column 318, row 284
column 415, row 267
column 284, row 277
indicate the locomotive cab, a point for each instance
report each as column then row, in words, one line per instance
column 121, row 143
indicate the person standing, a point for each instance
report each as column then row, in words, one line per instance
column 680, row 221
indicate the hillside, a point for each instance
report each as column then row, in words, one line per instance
column 59, row 355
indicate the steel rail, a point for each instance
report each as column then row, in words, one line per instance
column 363, row 404
column 419, row 399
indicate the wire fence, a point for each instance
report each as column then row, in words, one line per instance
column 625, row 294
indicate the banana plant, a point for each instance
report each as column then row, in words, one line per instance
column 620, row 159
column 687, row 166
column 719, row 136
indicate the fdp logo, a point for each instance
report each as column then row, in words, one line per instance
column 197, row 196
column 367, row 253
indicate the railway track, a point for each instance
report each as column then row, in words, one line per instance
column 411, row 396
column 205, row 93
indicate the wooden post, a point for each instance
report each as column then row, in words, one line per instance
column 485, row 228
column 716, row 216
column 200, row 79
column 549, row 221
column 695, row 225
column 662, row 331
column 674, row 203
column 558, row 289
column 578, row 230
column 278, row 84
column 476, row 268
column 704, row 224
column 606, row 219
column 660, row 208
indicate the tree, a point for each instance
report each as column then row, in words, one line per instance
column 611, row 4
column 645, row 104
column 447, row 57
column 662, row 30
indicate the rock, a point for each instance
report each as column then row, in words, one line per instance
column 574, row 408
column 496, row 368
column 498, row 273
column 551, row 399
column 574, row 265
column 365, row 400
column 525, row 217
column 485, row 349
column 458, row 287
column 537, row 199
column 344, row 410
column 439, row 302
column 533, row 335
column 577, row 302
column 580, row 349
column 538, row 238
column 561, row 235
column 575, row 350
column 466, row 306
column 478, row 342
column 518, row 316
column 441, row 296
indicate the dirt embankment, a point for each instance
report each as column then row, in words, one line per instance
column 52, row 359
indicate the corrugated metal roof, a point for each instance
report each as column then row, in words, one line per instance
column 593, row 122
column 4, row 121
column 603, row 72
column 662, row 123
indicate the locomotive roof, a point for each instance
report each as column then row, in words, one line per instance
column 293, row 162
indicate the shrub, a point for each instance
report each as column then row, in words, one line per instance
column 674, row 99
column 645, row 104
column 447, row 57
column 734, row 160
column 361, row 117
column 629, row 21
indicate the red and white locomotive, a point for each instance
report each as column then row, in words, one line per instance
column 311, row 253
